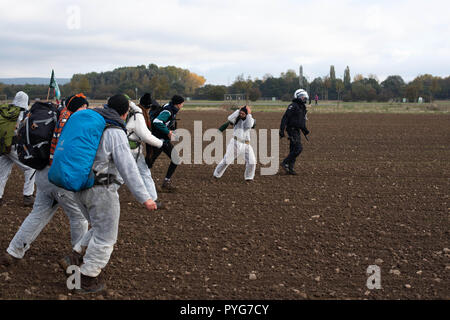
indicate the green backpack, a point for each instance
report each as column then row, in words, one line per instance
column 8, row 120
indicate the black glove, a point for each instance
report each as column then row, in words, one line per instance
column 281, row 133
column 305, row 132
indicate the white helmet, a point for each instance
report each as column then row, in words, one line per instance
column 301, row 94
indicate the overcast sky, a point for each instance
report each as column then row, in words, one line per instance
column 222, row 39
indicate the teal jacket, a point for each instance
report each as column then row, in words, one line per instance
column 165, row 121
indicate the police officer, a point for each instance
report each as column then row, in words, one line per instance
column 294, row 120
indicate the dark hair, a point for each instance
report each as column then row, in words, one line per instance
column 177, row 99
column 75, row 102
column 119, row 103
column 146, row 100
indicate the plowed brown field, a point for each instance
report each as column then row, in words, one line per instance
column 372, row 189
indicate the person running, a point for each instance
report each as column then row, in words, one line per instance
column 100, row 204
column 139, row 133
column 7, row 160
column 48, row 197
column 162, row 127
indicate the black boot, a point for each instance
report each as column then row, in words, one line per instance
column 167, row 186
column 285, row 166
column 291, row 170
column 159, row 205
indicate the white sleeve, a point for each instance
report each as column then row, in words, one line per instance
column 233, row 117
column 248, row 124
column 126, row 164
column 142, row 132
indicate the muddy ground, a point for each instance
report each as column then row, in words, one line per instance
column 373, row 189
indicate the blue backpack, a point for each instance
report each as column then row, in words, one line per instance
column 76, row 149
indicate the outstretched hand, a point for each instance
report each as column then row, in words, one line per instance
column 150, row 205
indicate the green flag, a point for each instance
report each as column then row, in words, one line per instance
column 53, row 84
column 224, row 126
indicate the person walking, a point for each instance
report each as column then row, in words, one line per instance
column 294, row 121
column 9, row 159
column 243, row 122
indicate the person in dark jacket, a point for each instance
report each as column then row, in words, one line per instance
column 162, row 127
column 294, row 120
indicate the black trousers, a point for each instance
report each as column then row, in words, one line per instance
column 295, row 146
column 153, row 154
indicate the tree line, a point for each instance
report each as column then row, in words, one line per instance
column 164, row 82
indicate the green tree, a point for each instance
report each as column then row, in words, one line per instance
column 254, row 94
column 435, row 88
column 339, row 87
column 394, row 86
column 347, row 79
column 326, row 86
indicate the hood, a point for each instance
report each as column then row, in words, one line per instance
column 134, row 107
column 21, row 100
column 173, row 110
column 111, row 116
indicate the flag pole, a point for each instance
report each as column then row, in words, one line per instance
column 48, row 93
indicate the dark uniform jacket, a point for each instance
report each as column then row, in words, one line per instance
column 294, row 117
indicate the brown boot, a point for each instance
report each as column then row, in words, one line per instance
column 91, row 284
column 73, row 259
column 7, row 260
column 28, row 201
column 167, row 186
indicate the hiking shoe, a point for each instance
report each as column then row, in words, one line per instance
column 28, row 201
column 292, row 172
column 285, row 166
column 7, row 260
column 167, row 186
column 91, row 284
column 73, row 259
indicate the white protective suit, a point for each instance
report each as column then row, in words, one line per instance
column 7, row 161
column 239, row 144
column 101, row 205
column 138, row 131
column 48, row 197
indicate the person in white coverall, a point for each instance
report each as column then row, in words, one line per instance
column 138, row 132
column 48, row 197
column 7, row 161
column 243, row 122
column 100, row 204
